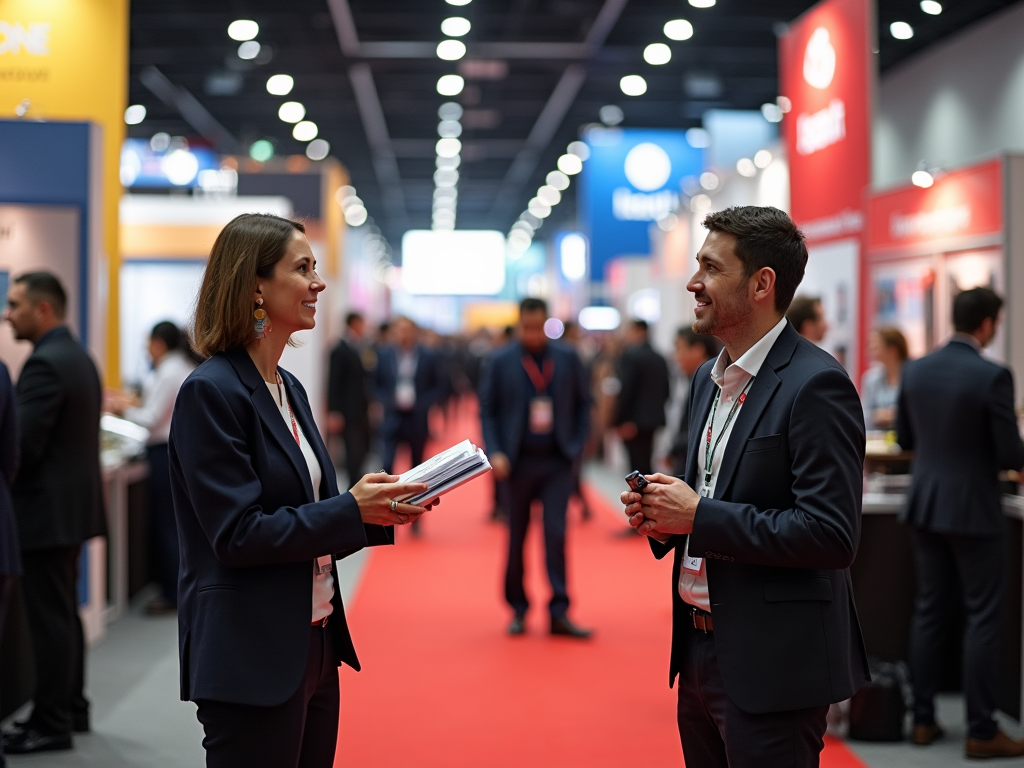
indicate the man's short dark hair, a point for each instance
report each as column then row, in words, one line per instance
column 639, row 324
column 712, row 346
column 765, row 237
column 533, row 304
column 802, row 310
column 972, row 308
column 169, row 334
column 352, row 317
column 45, row 286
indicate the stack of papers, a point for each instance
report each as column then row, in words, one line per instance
column 446, row 471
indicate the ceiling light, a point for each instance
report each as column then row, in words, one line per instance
column 633, row 85
column 708, row 180
column 668, row 222
column 447, row 162
column 702, row 3
column 135, row 114
column 931, row 7
column 351, row 200
column 745, row 167
column 549, row 195
column 558, row 180
column 455, row 26
column 318, row 149
column 611, row 114
column 700, row 204
column 678, row 29
column 771, row 112
column 901, row 30
column 261, row 151
column 448, row 147
column 450, row 85
column 458, row 2
column 449, row 129
column 570, row 165
column 280, row 85
column 355, row 216
column 922, row 179
column 657, row 54
column 446, row 177
column 451, row 50
column 599, row 318
column 524, row 226
column 698, row 138
column 450, row 110
column 249, row 50
column 344, row 192
column 305, row 131
column 180, row 167
column 554, row 328
column 539, row 208
column 763, row 158
column 578, row 148
column 784, row 103
column 291, row 111
column 445, row 193
column 243, row 29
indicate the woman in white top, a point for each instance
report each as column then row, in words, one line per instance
column 880, row 385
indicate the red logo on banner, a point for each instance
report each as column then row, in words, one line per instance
column 824, row 71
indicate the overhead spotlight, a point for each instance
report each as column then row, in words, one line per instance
column 243, row 29
column 305, row 131
column 558, row 180
column 350, row 201
column 657, row 54
column 578, row 148
column 458, row 2
column 446, row 177
column 249, row 50
column 451, row 50
column 343, row 193
column 280, row 85
column 702, row 3
column 763, row 158
column 698, row 138
column 700, row 203
column 745, row 167
column 539, row 208
column 450, row 85
column 771, row 112
column 549, row 195
column 931, row 7
column 135, row 114
column 449, row 129
column 455, row 26
column 678, row 29
column 356, row 216
column 448, row 147
column 709, row 180
column 633, row 85
column 901, row 30
column 570, row 165
column 317, row 149
column 922, row 179
column 291, row 111
column 450, row 110
column 261, row 150
column 611, row 114
column 784, row 103
column 447, row 162
column 668, row 222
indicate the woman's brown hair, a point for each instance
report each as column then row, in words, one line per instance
column 246, row 249
column 894, row 339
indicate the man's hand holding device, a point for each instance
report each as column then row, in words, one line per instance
column 659, row 505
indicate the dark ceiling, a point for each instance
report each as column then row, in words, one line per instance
column 536, row 71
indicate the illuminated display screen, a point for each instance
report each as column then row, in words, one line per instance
column 453, row 263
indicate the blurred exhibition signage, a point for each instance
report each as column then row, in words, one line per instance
column 462, row 262
column 632, row 179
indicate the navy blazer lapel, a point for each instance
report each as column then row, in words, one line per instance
column 304, row 415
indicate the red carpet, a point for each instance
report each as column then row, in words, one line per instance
column 442, row 685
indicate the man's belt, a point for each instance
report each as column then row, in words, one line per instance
column 702, row 620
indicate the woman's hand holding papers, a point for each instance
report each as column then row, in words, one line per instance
column 374, row 493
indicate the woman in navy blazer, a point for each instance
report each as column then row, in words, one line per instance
column 261, row 625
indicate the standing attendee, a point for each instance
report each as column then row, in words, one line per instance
column 572, row 337
column 807, row 316
column 261, row 625
column 643, row 393
column 348, row 402
column 171, row 366
column 956, row 412
column 765, row 633
column 409, row 383
column 10, row 555
column 692, row 351
column 58, row 503
column 534, row 409
column 880, row 384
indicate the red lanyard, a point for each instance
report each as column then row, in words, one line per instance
column 710, row 451
column 295, row 426
column 540, row 381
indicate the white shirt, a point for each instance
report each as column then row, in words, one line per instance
column 323, row 583
column 159, row 391
column 731, row 379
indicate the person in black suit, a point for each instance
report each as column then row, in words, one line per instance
column 348, row 402
column 10, row 555
column 261, row 624
column 956, row 412
column 692, row 351
column 767, row 521
column 640, row 407
column 58, row 503
column 535, row 413
column 409, row 383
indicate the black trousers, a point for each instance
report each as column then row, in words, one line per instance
column 165, row 530
column 410, row 433
column 548, row 479
column 356, row 438
column 715, row 733
column 300, row 733
column 980, row 563
column 51, row 602
column 641, row 449
column 5, row 590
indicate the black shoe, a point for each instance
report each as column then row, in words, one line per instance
column 562, row 626
column 30, row 740
column 518, row 625
column 80, row 722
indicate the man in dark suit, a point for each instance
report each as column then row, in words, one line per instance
column 765, row 526
column 348, row 403
column 692, row 351
column 535, row 412
column 408, row 383
column 10, row 555
column 640, row 407
column 58, row 503
column 956, row 412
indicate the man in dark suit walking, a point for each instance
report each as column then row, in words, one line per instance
column 10, row 555
column 58, row 503
column 535, row 412
column 640, row 407
column 956, row 412
column 764, row 528
column 348, row 402
column 692, row 351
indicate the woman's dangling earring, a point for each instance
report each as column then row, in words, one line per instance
column 262, row 321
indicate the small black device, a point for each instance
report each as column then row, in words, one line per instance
column 635, row 480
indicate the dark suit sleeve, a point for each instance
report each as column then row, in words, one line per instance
column 1003, row 423
column 826, row 443
column 11, row 451
column 224, row 490
column 436, row 377
column 660, row 549
column 336, row 381
column 904, row 430
column 489, row 408
column 39, row 400
column 382, row 390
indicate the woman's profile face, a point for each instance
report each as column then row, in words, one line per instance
column 290, row 293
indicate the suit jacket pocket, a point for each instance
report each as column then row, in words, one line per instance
column 787, row 590
column 208, row 587
column 763, row 443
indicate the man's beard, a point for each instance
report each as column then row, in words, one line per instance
column 725, row 313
